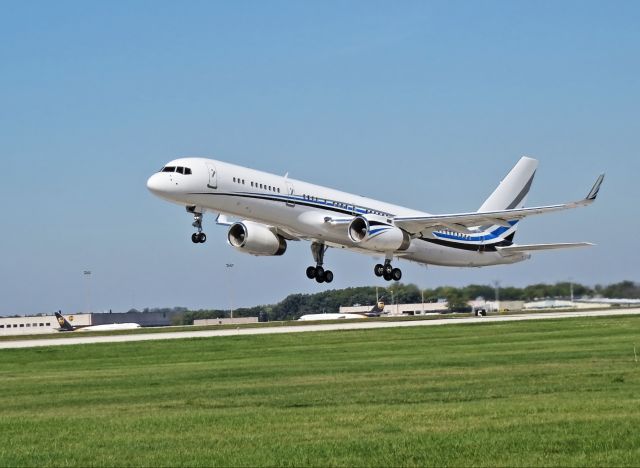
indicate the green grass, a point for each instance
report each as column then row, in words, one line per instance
column 550, row 392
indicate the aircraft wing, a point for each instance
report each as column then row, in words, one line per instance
column 461, row 222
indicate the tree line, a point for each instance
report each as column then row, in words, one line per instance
column 296, row 305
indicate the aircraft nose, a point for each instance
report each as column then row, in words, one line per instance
column 156, row 184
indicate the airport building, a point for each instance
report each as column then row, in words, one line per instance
column 37, row 324
column 486, row 306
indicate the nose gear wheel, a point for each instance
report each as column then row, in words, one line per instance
column 198, row 237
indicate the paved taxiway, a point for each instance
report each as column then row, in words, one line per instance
column 318, row 326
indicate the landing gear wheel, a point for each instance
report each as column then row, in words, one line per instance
column 378, row 270
column 202, row 237
column 388, row 269
column 396, row 274
column 387, row 276
column 318, row 272
column 194, row 238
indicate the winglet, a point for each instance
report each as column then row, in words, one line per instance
column 593, row 193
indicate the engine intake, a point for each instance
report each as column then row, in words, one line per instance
column 377, row 235
column 255, row 239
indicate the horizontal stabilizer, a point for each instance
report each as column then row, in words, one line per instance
column 532, row 247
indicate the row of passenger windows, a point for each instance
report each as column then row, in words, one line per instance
column 454, row 233
column 178, row 169
column 271, row 188
column 22, row 325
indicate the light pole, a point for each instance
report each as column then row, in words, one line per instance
column 229, row 267
column 392, row 298
column 496, row 283
column 87, row 276
column 571, row 289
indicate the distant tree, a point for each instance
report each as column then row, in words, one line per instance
column 456, row 299
column 622, row 290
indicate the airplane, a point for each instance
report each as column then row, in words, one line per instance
column 376, row 311
column 65, row 326
column 330, row 316
column 274, row 210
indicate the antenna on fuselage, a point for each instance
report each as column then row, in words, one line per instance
column 286, row 175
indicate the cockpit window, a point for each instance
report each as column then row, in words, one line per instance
column 178, row 169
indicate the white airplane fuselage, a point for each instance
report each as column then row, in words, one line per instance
column 301, row 210
column 111, row 327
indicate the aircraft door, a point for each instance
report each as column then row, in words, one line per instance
column 213, row 176
column 290, row 193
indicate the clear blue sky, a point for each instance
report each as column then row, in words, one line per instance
column 425, row 104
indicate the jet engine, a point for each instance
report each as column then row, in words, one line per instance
column 378, row 235
column 255, row 239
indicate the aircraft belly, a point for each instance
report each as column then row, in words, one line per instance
column 434, row 254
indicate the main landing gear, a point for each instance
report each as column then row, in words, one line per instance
column 318, row 272
column 387, row 271
column 198, row 237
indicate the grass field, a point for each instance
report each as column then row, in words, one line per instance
column 552, row 392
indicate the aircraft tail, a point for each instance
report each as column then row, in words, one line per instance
column 64, row 323
column 377, row 309
column 512, row 191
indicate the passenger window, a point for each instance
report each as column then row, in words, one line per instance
column 234, row 179
column 242, row 181
column 187, row 171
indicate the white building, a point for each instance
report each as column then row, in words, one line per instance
column 38, row 324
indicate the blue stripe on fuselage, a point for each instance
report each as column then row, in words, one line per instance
column 495, row 234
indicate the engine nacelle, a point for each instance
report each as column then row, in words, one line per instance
column 378, row 235
column 255, row 239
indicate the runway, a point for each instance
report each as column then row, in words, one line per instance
column 317, row 327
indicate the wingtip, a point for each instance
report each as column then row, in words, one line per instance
column 593, row 193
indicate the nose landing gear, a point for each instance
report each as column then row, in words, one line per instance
column 387, row 271
column 318, row 272
column 198, row 237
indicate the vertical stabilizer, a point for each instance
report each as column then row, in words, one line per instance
column 512, row 191
column 64, row 323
